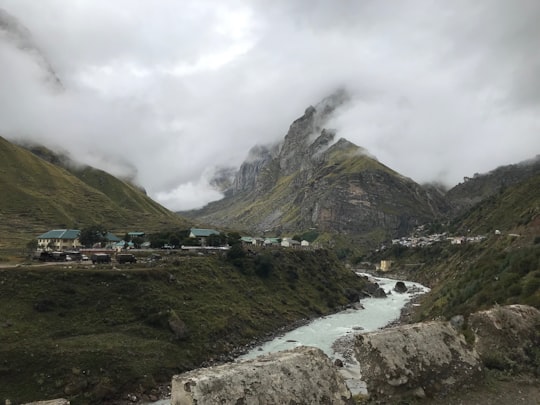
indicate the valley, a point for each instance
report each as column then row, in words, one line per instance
column 293, row 223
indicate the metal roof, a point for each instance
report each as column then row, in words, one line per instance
column 60, row 234
column 198, row 232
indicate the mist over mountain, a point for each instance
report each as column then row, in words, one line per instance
column 315, row 181
column 14, row 32
column 170, row 95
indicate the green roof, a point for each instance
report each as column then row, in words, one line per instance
column 111, row 238
column 60, row 234
column 198, row 232
column 136, row 233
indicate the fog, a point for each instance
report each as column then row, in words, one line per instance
column 167, row 91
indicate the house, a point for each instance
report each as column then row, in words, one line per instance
column 271, row 242
column 386, row 265
column 289, row 242
column 109, row 237
column 123, row 245
column 202, row 234
column 59, row 239
column 247, row 240
column 304, row 243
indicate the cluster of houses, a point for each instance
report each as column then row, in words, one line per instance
column 68, row 239
column 285, row 242
column 423, row 241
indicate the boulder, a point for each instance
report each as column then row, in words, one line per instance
column 304, row 375
column 429, row 358
column 400, row 287
column 59, row 401
column 507, row 337
column 379, row 293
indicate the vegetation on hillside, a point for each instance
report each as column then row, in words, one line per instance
column 92, row 333
column 502, row 269
column 38, row 196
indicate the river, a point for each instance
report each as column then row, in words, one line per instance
column 334, row 334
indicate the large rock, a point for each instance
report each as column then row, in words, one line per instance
column 59, row 401
column 416, row 360
column 304, row 375
column 507, row 337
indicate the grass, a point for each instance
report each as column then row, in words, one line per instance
column 91, row 334
column 38, row 196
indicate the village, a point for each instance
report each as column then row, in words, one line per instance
column 59, row 245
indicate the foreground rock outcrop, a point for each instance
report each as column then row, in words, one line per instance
column 507, row 337
column 417, row 360
column 304, row 375
column 429, row 359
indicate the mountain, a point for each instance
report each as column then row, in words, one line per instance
column 501, row 268
column 481, row 186
column 38, row 195
column 314, row 181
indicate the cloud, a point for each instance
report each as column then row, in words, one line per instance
column 166, row 91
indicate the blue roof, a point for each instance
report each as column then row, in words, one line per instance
column 198, row 232
column 60, row 234
column 111, row 238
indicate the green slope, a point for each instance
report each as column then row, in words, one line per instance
column 502, row 269
column 94, row 334
column 37, row 195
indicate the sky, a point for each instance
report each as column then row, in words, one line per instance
column 166, row 92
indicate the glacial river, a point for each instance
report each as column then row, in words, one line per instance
column 334, row 334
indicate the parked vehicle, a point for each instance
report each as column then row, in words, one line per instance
column 74, row 255
column 98, row 258
column 122, row 258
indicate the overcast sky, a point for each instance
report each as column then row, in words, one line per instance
column 166, row 91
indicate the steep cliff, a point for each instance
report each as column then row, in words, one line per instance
column 314, row 180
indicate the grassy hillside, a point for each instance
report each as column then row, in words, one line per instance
column 92, row 333
column 482, row 186
column 37, row 196
column 503, row 269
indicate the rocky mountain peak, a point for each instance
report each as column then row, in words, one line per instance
column 307, row 135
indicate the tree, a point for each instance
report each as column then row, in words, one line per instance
column 32, row 245
column 137, row 242
column 92, row 235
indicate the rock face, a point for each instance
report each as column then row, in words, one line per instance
column 507, row 337
column 416, row 360
column 314, row 180
column 304, row 375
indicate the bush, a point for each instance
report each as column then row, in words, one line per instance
column 236, row 252
column 264, row 265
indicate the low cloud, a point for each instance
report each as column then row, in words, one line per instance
column 166, row 91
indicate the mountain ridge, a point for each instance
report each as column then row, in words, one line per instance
column 38, row 195
column 315, row 180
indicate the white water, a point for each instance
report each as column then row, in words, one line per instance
column 323, row 332
column 341, row 327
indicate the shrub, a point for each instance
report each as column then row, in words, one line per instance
column 264, row 265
